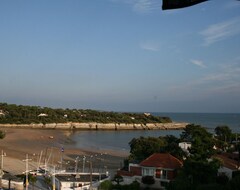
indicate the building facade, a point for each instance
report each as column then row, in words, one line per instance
column 162, row 167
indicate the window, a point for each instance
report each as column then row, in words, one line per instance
column 148, row 171
column 164, row 174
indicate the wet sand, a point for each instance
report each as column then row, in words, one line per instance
column 48, row 144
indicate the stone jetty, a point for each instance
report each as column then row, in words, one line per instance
column 99, row 126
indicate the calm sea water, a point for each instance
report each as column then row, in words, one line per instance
column 208, row 120
column 118, row 140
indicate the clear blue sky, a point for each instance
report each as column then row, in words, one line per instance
column 120, row 55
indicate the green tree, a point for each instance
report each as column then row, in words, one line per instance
column 200, row 171
column 47, row 180
column 19, row 114
column 118, row 179
column 194, row 174
column 32, row 180
column 222, row 180
column 223, row 133
column 223, row 137
column 201, row 140
column 171, row 146
column 143, row 147
column 182, row 182
column 106, row 185
column 148, row 180
column 134, row 186
column 2, row 134
column 198, row 168
column 212, row 186
column 234, row 184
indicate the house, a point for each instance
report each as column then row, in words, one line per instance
column 229, row 164
column 147, row 114
column 185, row 146
column 42, row 115
column 161, row 166
column 2, row 113
column 80, row 181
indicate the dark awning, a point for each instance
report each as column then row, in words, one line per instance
column 175, row 4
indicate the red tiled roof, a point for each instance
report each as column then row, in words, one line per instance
column 162, row 160
column 227, row 162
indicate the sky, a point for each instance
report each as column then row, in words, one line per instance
column 121, row 55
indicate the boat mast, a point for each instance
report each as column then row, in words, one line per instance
column 26, row 170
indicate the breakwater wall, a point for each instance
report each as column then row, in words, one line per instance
column 99, row 126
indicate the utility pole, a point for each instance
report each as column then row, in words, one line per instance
column 45, row 166
column 62, row 151
column 39, row 161
column 76, row 165
column 84, row 159
column 26, row 170
column 2, row 155
column 1, row 171
column 238, row 149
column 90, row 188
column 53, row 179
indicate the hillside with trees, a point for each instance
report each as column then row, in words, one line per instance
column 20, row 114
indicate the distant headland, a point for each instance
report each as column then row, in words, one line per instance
column 36, row 117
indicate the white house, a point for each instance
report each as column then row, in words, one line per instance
column 42, row 115
column 2, row 113
column 147, row 114
column 185, row 146
column 80, row 181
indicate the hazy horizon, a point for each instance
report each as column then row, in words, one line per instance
column 121, row 55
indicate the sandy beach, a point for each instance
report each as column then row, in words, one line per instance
column 19, row 142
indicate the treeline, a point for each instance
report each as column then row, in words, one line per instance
column 20, row 114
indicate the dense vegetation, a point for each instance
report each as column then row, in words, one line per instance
column 19, row 114
column 200, row 164
column 143, row 147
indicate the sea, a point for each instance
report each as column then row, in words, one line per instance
column 119, row 140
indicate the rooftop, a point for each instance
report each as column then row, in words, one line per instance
column 228, row 160
column 79, row 178
column 162, row 160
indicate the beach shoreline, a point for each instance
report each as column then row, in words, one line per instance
column 19, row 142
